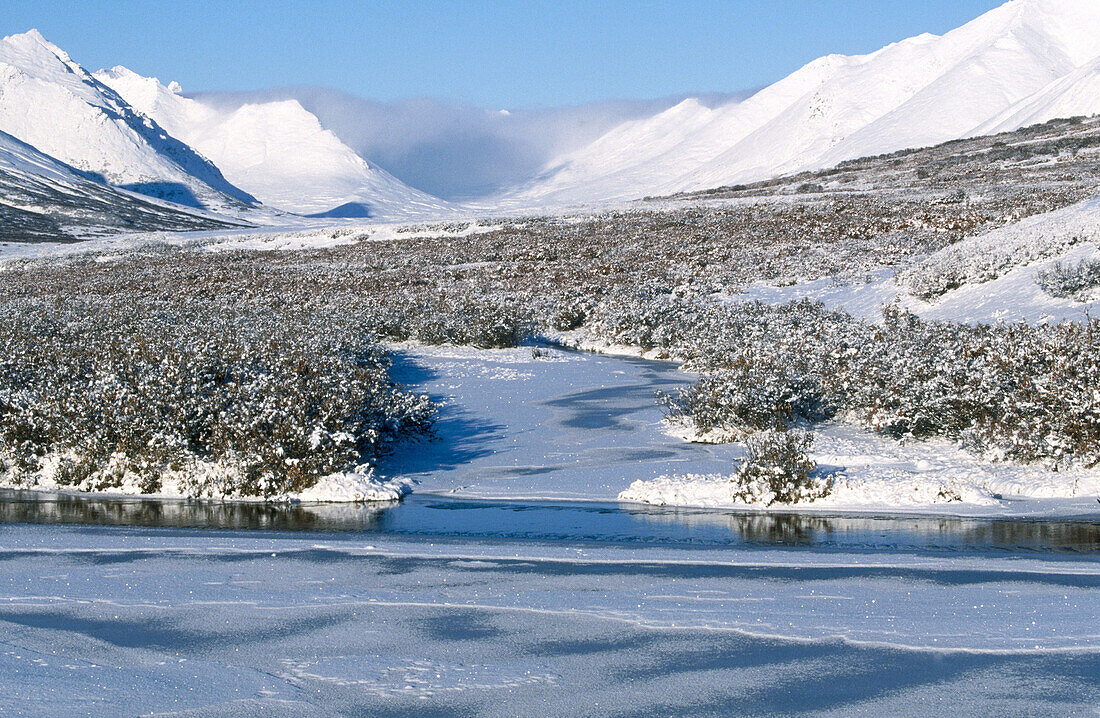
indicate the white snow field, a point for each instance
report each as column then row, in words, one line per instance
column 24, row 161
column 130, row 621
column 1070, row 96
column 276, row 151
column 53, row 104
column 1024, row 62
column 294, row 234
column 565, row 550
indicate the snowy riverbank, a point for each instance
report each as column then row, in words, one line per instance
column 581, row 426
column 556, row 424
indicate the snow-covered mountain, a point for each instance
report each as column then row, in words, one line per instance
column 50, row 102
column 42, row 199
column 277, row 151
column 1026, row 61
column 1076, row 94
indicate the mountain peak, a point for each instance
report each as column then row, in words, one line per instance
column 55, row 105
column 123, row 73
column 32, row 44
column 30, row 36
column 118, row 72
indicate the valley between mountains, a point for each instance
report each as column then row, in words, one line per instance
column 867, row 287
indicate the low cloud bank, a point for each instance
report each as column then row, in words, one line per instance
column 456, row 151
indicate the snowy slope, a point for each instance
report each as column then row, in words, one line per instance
column 42, row 199
column 53, row 104
column 918, row 92
column 277, row 151
column 994, row 276
column 1074, row 95
column 20, row 159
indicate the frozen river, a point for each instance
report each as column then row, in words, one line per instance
column 424, row 517
column 572, row 425
column 511, row 582
column 458, row 607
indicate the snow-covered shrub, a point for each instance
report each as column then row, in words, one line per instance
column 746, row 397
column 645, row 317
column 917, row 378
column 467, row 322
column 778, row 469
column 1023, row 392
column 117, row 392
column 761, row 364
column 1071, row 280
column 568, row 311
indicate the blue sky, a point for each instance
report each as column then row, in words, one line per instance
column 508, row 54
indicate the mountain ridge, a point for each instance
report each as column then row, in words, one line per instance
column 912, row 93
column 277, row 151
column 50, row 102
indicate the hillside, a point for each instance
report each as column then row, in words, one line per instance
column 1025, row 61
column 44, row 200
column 1061, row 155
column 277, row 151
column 51, row 103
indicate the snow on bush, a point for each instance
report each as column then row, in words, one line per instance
column 1021, row 392
column 1071, row 281
column 447, row 319
column 778, row 469
column 130, row 392
column 747, row 396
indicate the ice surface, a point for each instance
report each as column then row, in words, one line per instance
column 220, row 623
column 572, row 425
